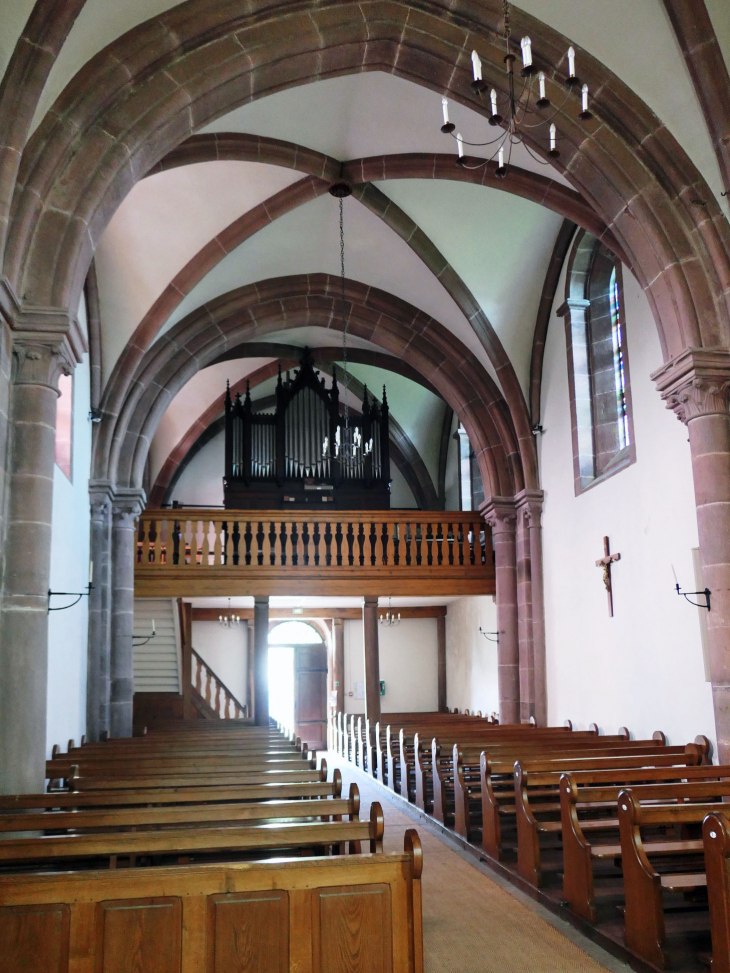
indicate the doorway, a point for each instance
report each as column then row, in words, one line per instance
column 298, row 680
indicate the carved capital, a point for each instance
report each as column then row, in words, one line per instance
column 41, row 360
column 500, row 513
column 696, row 383
column 127, row 505
column 529, row 505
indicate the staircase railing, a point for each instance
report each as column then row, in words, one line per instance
column 215, row 692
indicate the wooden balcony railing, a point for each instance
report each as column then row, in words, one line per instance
column 214, row 691
column 190, row 553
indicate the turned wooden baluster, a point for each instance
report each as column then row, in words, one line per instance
column 199, row 676
column 217, row 706
column 208, row 686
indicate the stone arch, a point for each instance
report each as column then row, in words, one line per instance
column 312, row 300
column 196, row 62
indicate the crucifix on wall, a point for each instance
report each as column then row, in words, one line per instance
column 605, row 562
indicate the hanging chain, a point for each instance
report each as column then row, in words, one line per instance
column 344, row 315
column 507, row 23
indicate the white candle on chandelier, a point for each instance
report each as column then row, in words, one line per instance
column 493, row 96
column 501, row 157
column 476, row 64
column 460, row 144
column 585, row 97
column 445, row 107
column 571, row 62
column 541, row 81
column 526, row 52
column 553, row 132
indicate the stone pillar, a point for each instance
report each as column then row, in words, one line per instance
column 524, row 619
column 695, row 386
column 251, row 668
column 261, row 660
column 372, row 658
column 6, row 358
column 531, row 607
column 38, row 361
column 501, row 516
column 99, row 647
column 128, row 505
column 441, row 635
column 338, row 658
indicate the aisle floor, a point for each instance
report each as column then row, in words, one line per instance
column 473, row 922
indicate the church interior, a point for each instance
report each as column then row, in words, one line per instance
column 364, row 486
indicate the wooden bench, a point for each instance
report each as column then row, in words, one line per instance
column 334, row 913
column 656, row 867
column 716, row 844
column 108, row 819
column 497, row 788
column 203, row 843
column 588, row 840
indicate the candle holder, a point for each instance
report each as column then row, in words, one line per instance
column 488, row 635
column 690, row 594
column 78, row 595
column 145, row 638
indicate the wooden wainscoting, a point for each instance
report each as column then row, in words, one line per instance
column 189, row 553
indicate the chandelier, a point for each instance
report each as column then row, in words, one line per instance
column 229, row 620
column 390, row 618
column 516, row 113
column 350, row 438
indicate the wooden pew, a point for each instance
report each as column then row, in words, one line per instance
column 320, row 788
column 174, row 779
column 333, row 913
column 199, row 842
column 108, row 819
column 654, row 868
column 589, row 840
column 716, row 844
column 497, row 789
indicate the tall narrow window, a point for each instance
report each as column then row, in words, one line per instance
column 600, row 397
column 64, row 423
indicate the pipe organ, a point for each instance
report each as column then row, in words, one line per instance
column 305, row 454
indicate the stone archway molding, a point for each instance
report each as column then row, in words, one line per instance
column 312, row 300
column 194, row 63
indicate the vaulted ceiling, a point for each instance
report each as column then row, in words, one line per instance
column 244, row 204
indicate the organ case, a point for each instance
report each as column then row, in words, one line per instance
column 276, row 460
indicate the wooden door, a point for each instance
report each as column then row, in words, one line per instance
column 310, row 694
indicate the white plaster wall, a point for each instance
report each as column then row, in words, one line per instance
column 68, row 630
column 643, row 668
column 408, row 664
column 225, row 650
column 201, row 481
column 471, row 660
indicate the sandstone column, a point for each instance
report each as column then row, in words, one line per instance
column 38, row 361
column 372, row 658
column 529, row 505
column 261, row 660
column 99, row 647
column 524, row 619
column 338, row 658
column 128, row 504
column 501, row 516
column 695, row 386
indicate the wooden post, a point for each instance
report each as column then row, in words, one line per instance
column 186, row 638
column 251, row 662
column 338, row 655
column 261, row 660
column 441, row 634
column 372, row 658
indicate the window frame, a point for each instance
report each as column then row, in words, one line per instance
column 581, row 391
column 72, row 398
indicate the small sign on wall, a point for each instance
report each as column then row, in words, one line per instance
column 359, row 690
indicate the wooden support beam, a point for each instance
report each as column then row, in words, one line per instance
column 441, row 630
column 372, row 658
column 288, row 614
column 261, row 661
column 338, row 656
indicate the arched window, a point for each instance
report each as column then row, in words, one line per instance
column 294, row 633
column 598, row 368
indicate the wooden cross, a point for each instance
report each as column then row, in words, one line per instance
column 605, row 563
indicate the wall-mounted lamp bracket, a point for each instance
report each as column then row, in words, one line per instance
column 488, row 635
column 78, row 595
column 144, row 639
column 688, row 594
